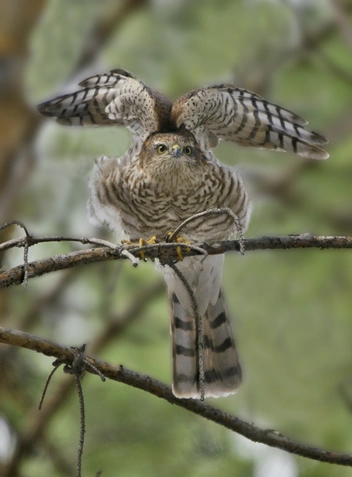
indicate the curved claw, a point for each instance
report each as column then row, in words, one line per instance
column 179, row 239
column 141, row 243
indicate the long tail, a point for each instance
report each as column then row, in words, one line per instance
column 222, row 370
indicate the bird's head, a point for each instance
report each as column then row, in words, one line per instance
column 175, row 147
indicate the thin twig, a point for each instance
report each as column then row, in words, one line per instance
column 95, row 370
column 26, row 245
column 134, row 260
column 25, row 262
column 82, row 424
column 57, row 364
column 239, row 230
column 223, row 210
column 19, row 223
column 78, row 369
column 199, row 330
column 101, row 242
column 20, row 242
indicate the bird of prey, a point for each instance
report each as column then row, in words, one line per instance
column 170, row 174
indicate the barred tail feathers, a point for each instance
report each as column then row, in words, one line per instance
column 221, row 363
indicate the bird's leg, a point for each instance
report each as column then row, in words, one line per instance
column 141, row 243
column 178, row 239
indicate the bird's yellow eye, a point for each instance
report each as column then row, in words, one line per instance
column 188, row 150
column 161, row 149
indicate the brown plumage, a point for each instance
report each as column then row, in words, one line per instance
column 170, row 174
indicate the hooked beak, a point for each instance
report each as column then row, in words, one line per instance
column 176, row 150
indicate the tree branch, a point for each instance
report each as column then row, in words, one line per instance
column 165, row 252
column 269, row 437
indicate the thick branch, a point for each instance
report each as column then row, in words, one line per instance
column 166, row 252
column 152, row 386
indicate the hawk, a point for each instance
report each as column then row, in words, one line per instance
column 170, row 174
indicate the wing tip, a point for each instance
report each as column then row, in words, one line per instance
column 297, row 119
column 316, row 154
column 122, row 72
column 94, row 79
column 43, row 109
column 319, row 138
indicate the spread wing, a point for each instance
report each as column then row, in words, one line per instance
column 115, row 98
column 245, row 118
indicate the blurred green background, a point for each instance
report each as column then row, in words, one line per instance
column 291, row 309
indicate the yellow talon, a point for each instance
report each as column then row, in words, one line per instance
column 141, row 243
column 153, row 240
column 179, row 253
column 179, row 239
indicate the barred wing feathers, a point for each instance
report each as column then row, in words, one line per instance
column 115, row 98
column 240, row 116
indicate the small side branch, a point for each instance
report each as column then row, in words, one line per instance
column 26, row 245
column 207, row 213
column 77, row 367
column 152, row 386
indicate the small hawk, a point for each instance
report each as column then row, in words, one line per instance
column 169, row 174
